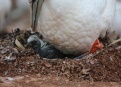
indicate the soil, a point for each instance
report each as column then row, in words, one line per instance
column 27, row 69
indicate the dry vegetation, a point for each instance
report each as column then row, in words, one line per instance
column 102, row 66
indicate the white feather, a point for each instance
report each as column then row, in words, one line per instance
column 117, row 21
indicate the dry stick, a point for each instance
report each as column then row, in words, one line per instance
column 114, row 42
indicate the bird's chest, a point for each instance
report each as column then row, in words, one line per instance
column 68, row 17
column 69, row 24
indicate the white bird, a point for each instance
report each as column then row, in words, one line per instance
column 5, row 7
column 19, row 17
column 73, row 26
column 14, row 14
column 117, row 21
column 19, row 7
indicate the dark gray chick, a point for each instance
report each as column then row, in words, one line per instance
column 46, row 51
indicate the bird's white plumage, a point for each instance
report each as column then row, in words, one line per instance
column 117, row 21
column 73, row 26
column 17, row 17
column 22, row 6
column 5, row 6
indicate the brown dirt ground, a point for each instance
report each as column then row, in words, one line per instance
column 26, row 69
